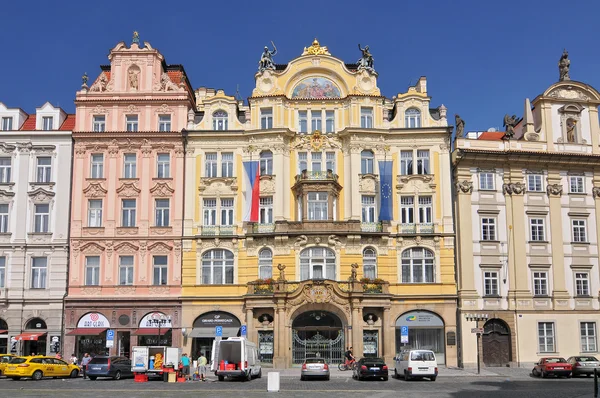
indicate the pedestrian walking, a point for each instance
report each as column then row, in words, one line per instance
column 73, row 359
column 185, row 362
column 202, row 367
column 84, row 362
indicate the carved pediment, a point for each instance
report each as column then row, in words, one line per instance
column 41, row 195
column 44, row 148
column 126, row 247
column 569, row 93
column 4, row 195
column 94, row 190
column 316, row 141
column 128, row 190
column 7, row 148
column 218, row 185
column 162, row 189
column 368, row 183
column 92, row 248
column 159, row 247
column 419, row 182
column 267, row 185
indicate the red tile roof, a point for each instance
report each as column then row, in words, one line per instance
column 29, row 123
column 175, row 76
column 68, row 124
column 491, row 136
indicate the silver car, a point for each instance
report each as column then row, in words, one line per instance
column 584, row 365
column 314, row 367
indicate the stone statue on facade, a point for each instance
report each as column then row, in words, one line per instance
column 84, row 80
column 281, row 268
column 563, row 67
column 366, row 62
column 133, row 80
column 509, row 123
column 100, row 84
column 460, row 126
column 353, row 272
column 166, row 84
column 266, row 59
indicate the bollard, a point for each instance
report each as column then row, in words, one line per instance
column 273, row 382
column 595, row 383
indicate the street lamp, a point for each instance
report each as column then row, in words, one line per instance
column 159, row 321
column 476, row 318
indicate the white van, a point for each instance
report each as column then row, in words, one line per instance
column 416, row 364
column 235, row 357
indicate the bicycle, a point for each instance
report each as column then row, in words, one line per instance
column 347, row 365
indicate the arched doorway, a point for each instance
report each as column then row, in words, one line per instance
column 425, row 331
column 496, row 343
column 34, row 337
column 317, row 334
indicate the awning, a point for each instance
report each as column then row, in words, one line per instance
column 3, row 331
column 151, row 331
column 86, row 331
column 30, row 336
column 209, row 332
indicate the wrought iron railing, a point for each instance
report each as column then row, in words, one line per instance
column 316, row 176
column 215, row 230
column 422, row 228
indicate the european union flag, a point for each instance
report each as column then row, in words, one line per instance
column 385, row 190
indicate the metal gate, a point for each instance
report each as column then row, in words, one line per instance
column 265, row 346
column 313, row 344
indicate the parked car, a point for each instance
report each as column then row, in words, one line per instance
column 115, row 367
column 552, row 366
column 4, row 360
column 584, row 365
column 315, row 367
column 368, row 368
column 416, row 364
column 38, row 367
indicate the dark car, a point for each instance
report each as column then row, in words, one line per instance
column 369, row 368
column 584, row 365
column 115, row 367
column 552, row 366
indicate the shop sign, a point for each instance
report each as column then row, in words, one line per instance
column 212, row 319
column 156, row 319
column 93, row 320
column 419, row 319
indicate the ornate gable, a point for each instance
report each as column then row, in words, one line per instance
column 41, row 195
column 159, row 247
column 162, row 189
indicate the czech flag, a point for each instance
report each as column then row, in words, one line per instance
column 252, row 190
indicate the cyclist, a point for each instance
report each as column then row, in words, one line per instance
column 349, row 357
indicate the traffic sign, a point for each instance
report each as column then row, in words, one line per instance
column 110, row 338
column 404, row 335
column 219, row 331
column 244, row 330
column 477, row 330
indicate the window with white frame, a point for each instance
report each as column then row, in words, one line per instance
column 128, row 209
column 97, row 167
column 95, row 213
column 164, row 122
column 330, row 161
column 162, row 212
column 220, row 120
column 44, row 169
column 303, row 121
column 5, row 170
column 319, row 162
column 160, row 270
column 417, row 266
column 47, row 122
column 129, row 165
column 227, row 211
column 317, row 263
column 579, row 230
column 42, row 218
column 265, row 264
column 302, row 162
column 369, row 263
column 266, row 118
column 582, row 284
column 3, row 218
column 546, row 337
column 535, row 183
column 99, row 123
column 540, row 283
column 412, row 118
column 227, row 164
column 486, row 181
column 366, row 118
column 488, row 228
column 317, row 206
column 266, row 163
column 131, row 122
column 368, row 208
column 163, row 165
column 316, row 161
column 423, row 162
column 407, row 209
column 491, row 283
column 425, row 210
column 265, row 210
column 39, row 272
column 406, row 162
column 538, row 230
column 2, row 271
column 329, row 121
column 217, row 267
column 367, row 160
column 92, row 270
column 576, row 184
column 210, row 164
column 125, row 270
column 316, row 121
column 588, row 336
column 7, row 123
column 210, row 211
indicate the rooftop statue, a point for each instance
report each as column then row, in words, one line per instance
column 460, row 126
column 84, row 80
column 366, row 61
column 266, row 59
column 563, row 66
column 509, row 123
column 136, row 38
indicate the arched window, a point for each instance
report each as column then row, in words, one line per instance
column 412, row 118
column 317, row 263
column 265, row 264
column 266, row 163
column 369, row 263
column 366, row 162
column 417, row 266
column 220, row 119
column 217, row 267
column 36, row 323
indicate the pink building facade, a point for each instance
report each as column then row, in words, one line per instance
column 127, row 204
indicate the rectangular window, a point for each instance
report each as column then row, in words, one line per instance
column 125, row 270
column 423, row 162
column 316, row 161
column 488, row 229
column 44, row 169
column 92, row 270
column 588, row 337
column 582, row 284
column 316, row 121
column 425, row 210
column 329, row 121
column 227, row 164
column 534, row 183
column 162, row 212
column 210, row 211
column 128, row 210
column 163, row 165
column 330, row 161
column 486, row 181
column 2, row 272
column 5, row 169
column 39, row 272
column 99, row 123
column 368, row 208
column 95, row 213
column 303, row 121
column 210, row 165
column 407, row 209
column 129, row 165
column 131, row 122
column 265, row 264
column 540, row 283
column 366, row 118
column 7, row 123
column 546, row 337
column 490, row 283
column 266, row 118
column 538, row 232
column 3, row 218
column 227, row 211
column 47, row 122
column 579, row 231
column 576, row 184
column 160, row 270
column 317, row 206
column 406, row 162
column 42, row 218
column 265, row 210
column 97, row 169
column 302, row 162
column 164, row 123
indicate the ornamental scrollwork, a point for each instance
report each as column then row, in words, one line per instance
column 554, row 189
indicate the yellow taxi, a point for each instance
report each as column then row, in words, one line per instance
column 4, row 359
column 38, row 367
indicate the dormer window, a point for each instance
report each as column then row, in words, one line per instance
column 48, row 122
column 220, row 120
column 99, row 123
column 131, row 122
column 7, row 123
column 412, row 118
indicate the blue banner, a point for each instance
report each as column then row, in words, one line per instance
column 385, row 190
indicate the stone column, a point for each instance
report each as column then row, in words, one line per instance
column 250, row 325
column 357, row 343
column 389, row 336
column 464, row 232
column 554, row 190
column 279, row 353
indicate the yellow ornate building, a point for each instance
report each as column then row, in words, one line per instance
column 319, row 215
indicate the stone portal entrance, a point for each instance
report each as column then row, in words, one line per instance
column 317, row 334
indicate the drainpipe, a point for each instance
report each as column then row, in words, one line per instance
column 456, row 248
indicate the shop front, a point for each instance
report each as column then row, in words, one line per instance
column 155, row 329
column 90, row 334
column 4, row 340
column 425, row 331
column 34, row 338
column 203, row 332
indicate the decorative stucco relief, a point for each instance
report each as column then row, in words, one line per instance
column 94, row 190
column 41, row 195
column 218, row 185
column 162, row 189
column 128, row 190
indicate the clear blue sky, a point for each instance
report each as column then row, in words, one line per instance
column 481, row 58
